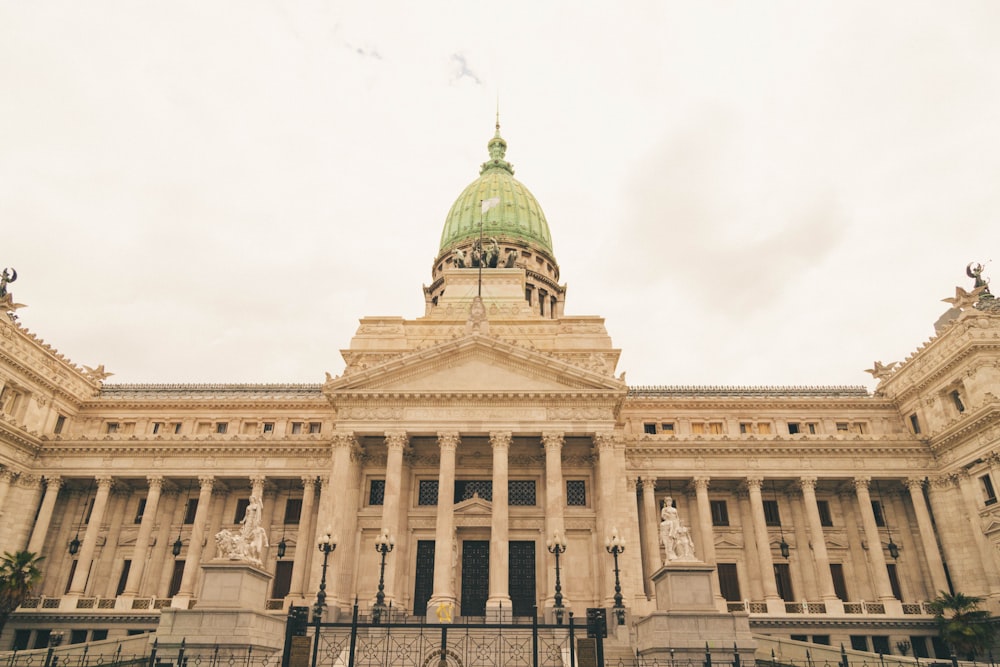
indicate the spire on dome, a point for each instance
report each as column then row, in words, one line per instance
column 498, row 150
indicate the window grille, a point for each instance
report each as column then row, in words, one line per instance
column 467, row 488
column 428, row 492
column 376, row 492
column 576, row 493
column 521, row 492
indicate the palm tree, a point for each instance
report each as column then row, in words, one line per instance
column 964, row 626
column 18, row 575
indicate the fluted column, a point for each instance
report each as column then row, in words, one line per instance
column 41, row 529
column 345, row 493
column 650, row 537
column 142, row 537
column 444, row 533
column 555, row 503
column 883, row 589
column 500, row 524
column 818, row 540
column 304, row 539
column 192, row 563
column 86, row 556
column 932, row 552
column 607, row 508
column 393, row 521
column 707, row 531
column 763, row 542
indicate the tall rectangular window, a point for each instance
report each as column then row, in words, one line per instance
column 315, row 427
column 839, row 583
column 915, row 423
column 123, row 579
column 793, row 428
column 894, row 580
column 60, row 424
column 140, row 510
column 989, row 494
column 772, row 517
column 282, row 579
column 956, row 398
column 783, row 579
column 720, row 512
column 825, row 517
column 191, row 511
column 293, row 510
column 521, row 492
column 729, row 582
column 175, row 578
column 877, row 511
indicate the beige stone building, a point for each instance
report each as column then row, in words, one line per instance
column 476, row 433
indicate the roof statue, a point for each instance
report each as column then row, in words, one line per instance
column 976, row 273
column 881, row 371
column 8, row 276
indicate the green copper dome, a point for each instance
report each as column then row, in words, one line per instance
column 517, row 216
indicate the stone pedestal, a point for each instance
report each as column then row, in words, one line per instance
column 230, row 613
column 686, row 620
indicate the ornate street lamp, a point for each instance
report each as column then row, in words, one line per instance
column 557, row 546
column 326, row 545
column 383, row 544
column 616, row 545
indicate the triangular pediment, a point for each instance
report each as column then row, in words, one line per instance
column 474, row 364
column 474, row 505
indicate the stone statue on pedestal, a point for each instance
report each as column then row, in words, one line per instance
column 674, row 535
column 249, row 543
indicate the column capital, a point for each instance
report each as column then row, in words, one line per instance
column 501, row 439
column 449, row 440
column 155, row 482
column 861, row 483
column 604, row 440
column 344, row 439
column 914, row 483
column 755, row 482
column 647, row 483
column 54, row 482
column 104, row 481
column 6, row 475
column 309, row 481
column 993, row 458
column 807, row 483
column 942, row 482
column 206, row 482
column 553, row 440
column 701, row 482
column 631, row 482
column 396, row 440
column 962, row 475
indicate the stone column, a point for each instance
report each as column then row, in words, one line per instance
column 555, row 503
column 6, row 477
column 105, row 574
column 606, row 510
column 883, row 590
column 86, row 556
column 763, row 540
column 304, row 539
column 220, row 494
column 345, row 490
column 41, row 529
column 932, row 552
column 753, row 588
column 707, row 531
column 192, row 563
column 817, row 538
column 650, row 536
column 987, row 554
column 444, row 534
column 142, row 537
column 393, row 522
column 160, row 570
column 500, row 525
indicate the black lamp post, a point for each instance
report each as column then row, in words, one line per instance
column 616, row 545
column 383, row 545
column 55, row 639
column 557, row 546
column 326, row 546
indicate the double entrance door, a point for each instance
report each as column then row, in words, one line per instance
column 475, row 584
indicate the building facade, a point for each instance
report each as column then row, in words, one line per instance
column 478, row 433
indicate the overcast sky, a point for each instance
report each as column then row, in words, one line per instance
column 752, row 193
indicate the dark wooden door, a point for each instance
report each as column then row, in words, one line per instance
column 423, row 586
column 475, row 577
column 521, row 577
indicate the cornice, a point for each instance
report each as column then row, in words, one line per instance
column 771, row 449
column 16, row 434
column 824, row 621
column 371, row 397
column 970, row 424
column 756, row 403
column 751, row 391
column 77, row 448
